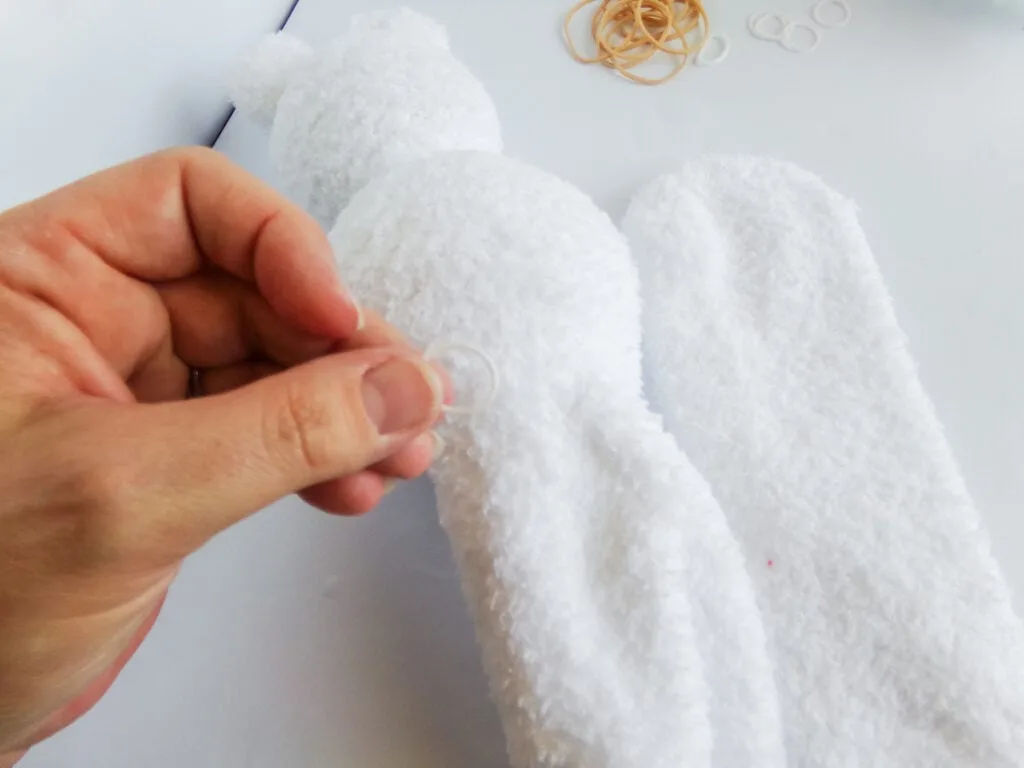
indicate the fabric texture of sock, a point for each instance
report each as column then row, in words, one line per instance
column 775, row 354
column 331, row 131
column 616, row 619
column 618, row 625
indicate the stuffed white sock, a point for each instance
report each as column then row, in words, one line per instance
column 331, row 132
column 618, row 625
column 777, row 359
column 581, row 534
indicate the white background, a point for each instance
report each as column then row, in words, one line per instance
column 88, row 83
column 303, row 641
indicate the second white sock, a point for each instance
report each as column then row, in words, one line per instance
column 780, row 367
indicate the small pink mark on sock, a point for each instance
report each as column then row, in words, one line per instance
column 771, row 563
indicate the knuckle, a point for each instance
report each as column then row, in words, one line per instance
column 194, row 154
column 97, row 486
column 304, row 427
column 97, row 510
column 181, row 162
column 101, row 490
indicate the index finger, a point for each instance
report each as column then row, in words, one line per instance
column 169, row 215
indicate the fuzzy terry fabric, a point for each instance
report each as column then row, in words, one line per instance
column 618, row 625
column 616, row 620
column 332, row 129
column 776, row 357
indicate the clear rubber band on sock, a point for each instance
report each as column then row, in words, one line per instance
column 786, row 41
column 704, row 60
column 438, row 348
column 755, row 25
column 821, row 21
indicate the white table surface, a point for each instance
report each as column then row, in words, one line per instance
column 89, row 83
column 300, row 640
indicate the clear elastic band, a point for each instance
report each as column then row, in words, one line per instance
column 786, row 40
column 755, row 25
column 718, row 43
column 817, row 13
column 439, row 348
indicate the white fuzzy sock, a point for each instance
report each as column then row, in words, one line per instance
column 776, row 356
column 614, row 614
column 618, row 625
column 331, row 132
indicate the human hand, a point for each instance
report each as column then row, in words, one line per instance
column 110, row 290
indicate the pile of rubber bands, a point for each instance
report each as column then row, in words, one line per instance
column 629, row 33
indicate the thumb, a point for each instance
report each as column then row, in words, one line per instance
column 202, row 465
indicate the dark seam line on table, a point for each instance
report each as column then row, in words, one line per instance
column 231, row 111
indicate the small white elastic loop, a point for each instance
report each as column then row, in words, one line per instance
column 704, row 60
column 436, row 349
column 786, row 41
column 818, row 15
column 755, row 25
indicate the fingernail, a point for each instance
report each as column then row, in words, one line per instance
column 439, row 444
column 349, row 299
column 402, row 394
column 389, row 485
column 446, row 382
